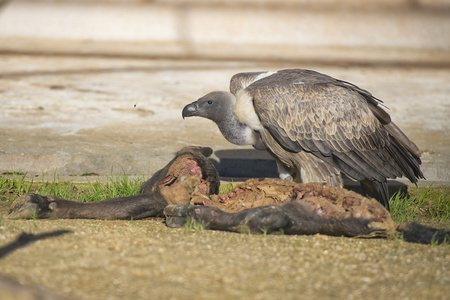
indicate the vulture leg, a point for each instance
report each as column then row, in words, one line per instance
column 286, row 173
column 292, row 218
column 377, row 190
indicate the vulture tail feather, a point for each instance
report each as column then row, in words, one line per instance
column 401, row 138
column 409, row 166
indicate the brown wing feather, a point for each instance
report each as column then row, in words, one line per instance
column 384, row 118
column 324, row 113
column 334, row 120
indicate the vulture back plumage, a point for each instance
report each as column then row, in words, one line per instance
column 323, row 126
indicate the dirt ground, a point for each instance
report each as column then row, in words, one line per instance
column 144, row 259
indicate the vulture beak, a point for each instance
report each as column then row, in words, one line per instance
column 190, row 110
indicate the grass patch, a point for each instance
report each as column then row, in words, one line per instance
column 422, row 205
column 193, row 225
column 227, row 187
column 118, row 186
column 12, row 186
column 15, row 183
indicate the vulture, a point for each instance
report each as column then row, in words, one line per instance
column 315, row 126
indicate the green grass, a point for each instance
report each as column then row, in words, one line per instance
column 423, row 205
column 193, row 225
column 226, row 187
column 119, row 186
column 15, row 183
column 12, row 186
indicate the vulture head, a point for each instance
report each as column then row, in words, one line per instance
column 219, row 107
column 216, row 106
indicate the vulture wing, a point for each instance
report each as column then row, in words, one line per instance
column 313, row 169
column 335, row 121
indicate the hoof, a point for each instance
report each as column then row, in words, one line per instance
column 176, row 215
column 29, row 206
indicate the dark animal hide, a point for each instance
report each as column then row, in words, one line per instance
column 187, row 189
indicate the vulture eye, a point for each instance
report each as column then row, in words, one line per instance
column 209, row 102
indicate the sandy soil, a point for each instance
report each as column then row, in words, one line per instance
column 146, row 260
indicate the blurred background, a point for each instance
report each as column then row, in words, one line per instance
column 89, row 86
column 325, row 31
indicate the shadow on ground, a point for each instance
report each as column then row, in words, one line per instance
column 27, row 238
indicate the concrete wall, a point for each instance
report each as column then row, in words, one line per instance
column 348, row 31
